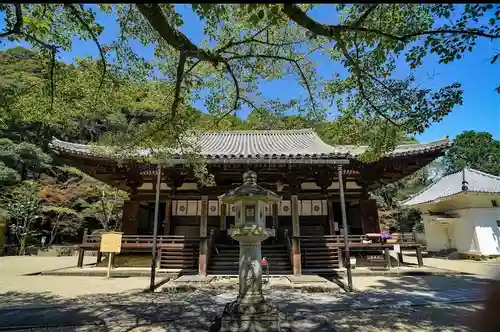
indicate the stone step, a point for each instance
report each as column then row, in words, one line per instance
column 320, row 254
column 168, row 261
column 318, row 250
column 234, row 264
column 181, row 253
column 177, row 266
column 235, row 272
column 189, row 258
column 321, row 264
column 236, row 258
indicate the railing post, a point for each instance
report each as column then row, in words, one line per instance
column 420, row 260
column 85, row 233
column 81, row 254
column 387, row 257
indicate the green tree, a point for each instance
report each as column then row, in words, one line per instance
column 63, row 221
column 19, row 162
column 24, row 210
column 106, row 207
column 247, row 43
column 477, row 150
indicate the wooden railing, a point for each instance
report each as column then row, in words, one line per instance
column 398, row 238
column 404, row 237
column 144, row 241
column 335, row 239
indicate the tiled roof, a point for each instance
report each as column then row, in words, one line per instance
column 269, row 144
column 476, row 181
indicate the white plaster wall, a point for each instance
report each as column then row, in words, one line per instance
column 463, row 235
column 486, row 229
column 435, row 235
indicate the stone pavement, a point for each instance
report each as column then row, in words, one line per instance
column 197, row 310
column 482, row 268
column 409, row 303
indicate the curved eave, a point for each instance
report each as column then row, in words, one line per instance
column 447, row 198
column 348, row 153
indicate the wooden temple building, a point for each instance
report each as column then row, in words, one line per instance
column 296, row 164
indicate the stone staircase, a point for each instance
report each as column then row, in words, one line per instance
column 225, row 258
column 184, row 256
column 318, row 258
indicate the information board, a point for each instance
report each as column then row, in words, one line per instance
column 111, row 242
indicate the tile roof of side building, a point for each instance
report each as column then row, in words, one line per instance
column 476, row 181
column 269, row 143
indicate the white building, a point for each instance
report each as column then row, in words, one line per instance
column 461, row 211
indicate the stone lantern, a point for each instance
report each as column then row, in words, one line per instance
column 250, row 308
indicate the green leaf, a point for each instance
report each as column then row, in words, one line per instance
column 261, row 14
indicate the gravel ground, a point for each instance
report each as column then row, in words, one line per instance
column 431, row 318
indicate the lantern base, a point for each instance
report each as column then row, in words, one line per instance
column 259, row 316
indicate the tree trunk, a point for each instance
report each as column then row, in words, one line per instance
column 22, row 245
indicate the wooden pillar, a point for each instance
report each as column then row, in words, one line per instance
column 297, row 263
column 129, row 218
column 223, row 211
column 274, row 212
column 168, row 216
column 331, row 216
column 202, row 261
column 343, row 213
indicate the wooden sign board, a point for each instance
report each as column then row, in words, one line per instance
column 111, row 242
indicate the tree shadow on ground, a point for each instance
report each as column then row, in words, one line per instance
column 410, row 303
column 198, row 309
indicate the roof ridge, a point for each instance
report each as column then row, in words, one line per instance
column 439, row 141
column 429, row 186
column 259, row 131
column 483, row 173
column 456, row 178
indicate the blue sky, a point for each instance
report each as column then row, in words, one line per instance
column 480, row 110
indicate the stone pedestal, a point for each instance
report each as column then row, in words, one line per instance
column 251, row 317
column 250, row 311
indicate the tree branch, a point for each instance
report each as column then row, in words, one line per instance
column 178, row 83
column 364, row 16
column 295, row 14
column 358, row 74
column 154, row 14
column 278, row 57
column 77, row 15
column 16, row 29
